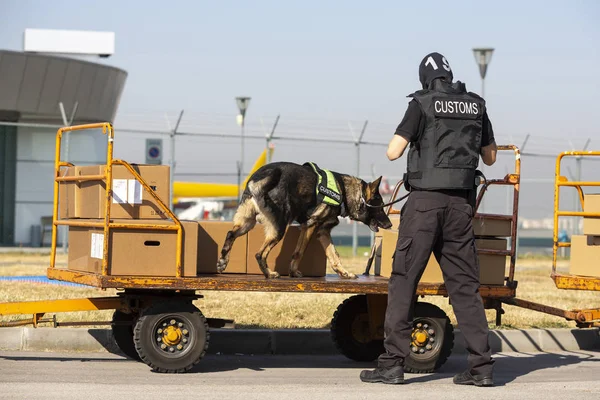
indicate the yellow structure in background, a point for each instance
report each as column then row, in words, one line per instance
column 204, row 189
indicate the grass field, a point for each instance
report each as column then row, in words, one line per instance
column 300, row 310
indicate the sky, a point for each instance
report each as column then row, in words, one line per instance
column 320, row 64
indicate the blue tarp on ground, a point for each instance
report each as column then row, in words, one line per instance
column 40, row 279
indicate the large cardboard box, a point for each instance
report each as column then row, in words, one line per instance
column 432, row 273
column 591, row 226
column 313, row 263
column 66, row 195
column 585, row 253
column 130, row 199
column 492, row 267
column 211, row 237
column 486, row 227
column 138, row 252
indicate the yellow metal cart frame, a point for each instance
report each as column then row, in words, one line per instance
column 357, row 325
column 571, row 282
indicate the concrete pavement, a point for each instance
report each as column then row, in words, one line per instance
column 288, row 341
column 30, row 375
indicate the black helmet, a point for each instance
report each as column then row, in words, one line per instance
column 434, row 65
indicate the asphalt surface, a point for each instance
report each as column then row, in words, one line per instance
column 25, row 375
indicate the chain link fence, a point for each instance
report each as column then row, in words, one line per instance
column 208, row 148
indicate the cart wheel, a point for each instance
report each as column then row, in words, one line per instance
column 432, row 339
column 123, row 334
column 350, row 330
column 171, row 337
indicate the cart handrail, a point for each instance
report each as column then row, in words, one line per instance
column 107, row 225
column 559, row 181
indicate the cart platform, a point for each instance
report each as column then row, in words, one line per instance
column 232, row 282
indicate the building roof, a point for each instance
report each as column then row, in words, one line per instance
column 32, row 85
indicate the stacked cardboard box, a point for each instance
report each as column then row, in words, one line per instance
column 585, row 249
column 134, row 251
column 86, row 199
column 489, row 235
column 131, row 251
column 312, row 264
column 492, row 234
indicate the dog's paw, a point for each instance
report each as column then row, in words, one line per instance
column 273, row 275
column 348, row 275
column 221, row 265
column 295, row 274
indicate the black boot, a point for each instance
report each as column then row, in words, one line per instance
column 394, row 375
column 465, row 378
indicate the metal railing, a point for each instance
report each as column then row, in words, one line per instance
column 571, row 281
column 107, row 225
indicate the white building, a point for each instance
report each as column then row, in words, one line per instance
column 31, row 88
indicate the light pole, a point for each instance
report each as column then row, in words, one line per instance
column 483, row 56
column 242, row 103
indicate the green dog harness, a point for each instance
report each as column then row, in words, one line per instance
column 328, row 190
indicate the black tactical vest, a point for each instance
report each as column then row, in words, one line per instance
column 446, row 154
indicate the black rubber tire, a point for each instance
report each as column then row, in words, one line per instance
column 145, row 341
column 431, row 361
column 342, row 332
column 355, row 306
column 123, row 334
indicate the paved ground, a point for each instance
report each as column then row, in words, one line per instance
column 25, row 375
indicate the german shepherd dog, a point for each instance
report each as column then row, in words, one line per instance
column 280, row 193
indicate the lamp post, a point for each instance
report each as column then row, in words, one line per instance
column 483, row 56
column 242, row 103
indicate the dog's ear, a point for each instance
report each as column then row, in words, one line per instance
column 374, row 186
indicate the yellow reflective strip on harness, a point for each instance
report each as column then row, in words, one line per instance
column 332, row 185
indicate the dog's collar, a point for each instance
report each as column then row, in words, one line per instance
column 344, row 211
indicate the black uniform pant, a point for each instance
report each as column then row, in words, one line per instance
column 438, row 221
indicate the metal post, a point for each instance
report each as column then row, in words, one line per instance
column 172, row 161
column 357, row 142
column 242, row 103
column 483, row 87
column 269, row 138
column 66, row 122
column 524, row 143
column 483, row 56
column 241, row 163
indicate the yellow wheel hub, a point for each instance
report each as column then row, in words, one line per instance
column 172, row 335
column 420, row 337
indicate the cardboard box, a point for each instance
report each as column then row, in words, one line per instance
column 130, row 199
column 591, row 226
column 585, row 252
column 432, row 273
column 211, row 237
column 138, row 252
column 486, row 227
column 492, row 267
column 66, row 195
column 313, row 263
column 482, row 226
column 81, row 242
